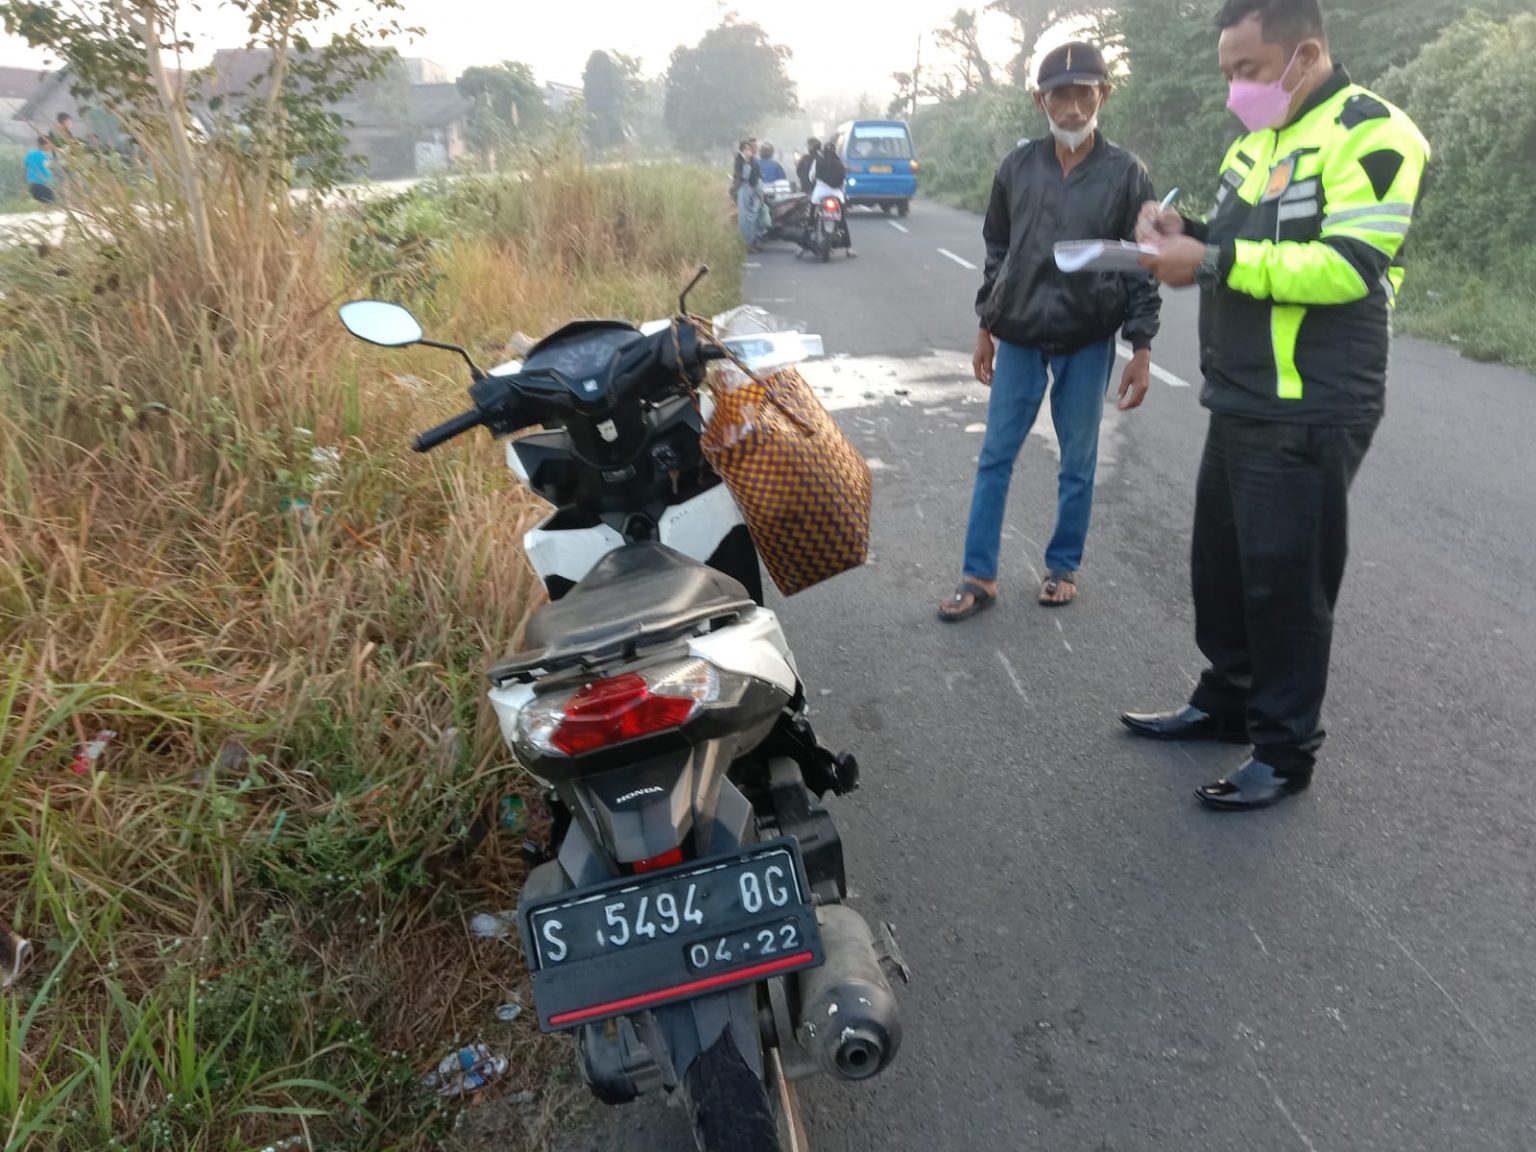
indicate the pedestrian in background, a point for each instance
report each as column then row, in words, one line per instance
column 747, row 190
column 39, row 171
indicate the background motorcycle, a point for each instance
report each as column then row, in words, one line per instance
column 828, row 229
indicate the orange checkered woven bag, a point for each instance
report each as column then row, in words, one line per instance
column 801, row 485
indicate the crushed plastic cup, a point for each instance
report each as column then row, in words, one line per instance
column 90, row 753
column 493, row 925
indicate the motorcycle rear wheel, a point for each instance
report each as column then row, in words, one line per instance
column 730, row 1104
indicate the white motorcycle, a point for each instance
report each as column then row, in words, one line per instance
column 686, row 919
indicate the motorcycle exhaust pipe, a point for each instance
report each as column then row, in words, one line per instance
column 848, row 1014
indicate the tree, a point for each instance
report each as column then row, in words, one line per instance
column 1034, row 18
column 1170, row 102
column 507, row 103
column 912, row 87
column 731, row 80
column 612, row 88
column 1171, row 105
column 962, row 37
column 1372, row 36
column 117, row 54
column 1473, row 94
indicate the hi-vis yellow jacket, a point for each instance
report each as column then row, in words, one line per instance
column 1310, row 220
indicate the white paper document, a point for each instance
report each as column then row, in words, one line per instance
column 1102, row 255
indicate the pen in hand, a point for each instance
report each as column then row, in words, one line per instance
column 1149, row 229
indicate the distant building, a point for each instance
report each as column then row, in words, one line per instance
column 559, row 97
column 408, row 122
column 419, row 71
column 17, row 88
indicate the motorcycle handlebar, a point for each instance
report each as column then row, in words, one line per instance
column 491, row 408
column 447, row 430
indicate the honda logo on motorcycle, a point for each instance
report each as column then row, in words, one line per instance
column 639, row 792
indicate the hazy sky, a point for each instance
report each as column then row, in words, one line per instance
column 838, row 46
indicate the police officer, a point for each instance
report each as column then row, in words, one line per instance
column 1298, row 266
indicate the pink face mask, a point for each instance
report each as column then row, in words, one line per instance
column 1261, row 106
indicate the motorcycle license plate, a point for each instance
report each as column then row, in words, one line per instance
column 641, row 942
column 882, row 169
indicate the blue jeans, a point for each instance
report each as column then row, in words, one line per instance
column 1019, row 379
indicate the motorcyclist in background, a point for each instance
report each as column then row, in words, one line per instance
column 772, row 170
column 829, row 176
column 807, row 164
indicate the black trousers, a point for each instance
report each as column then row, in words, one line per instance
column 1270, row 540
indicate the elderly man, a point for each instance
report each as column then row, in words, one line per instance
column 1041, row 327
column 1298, row 267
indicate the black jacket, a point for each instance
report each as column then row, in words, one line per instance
column 743, row 169
column 1024, row 298
column 829, row 169
column 803, row 171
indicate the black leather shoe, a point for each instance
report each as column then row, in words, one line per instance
column 1254, row 785
column 1187, row 723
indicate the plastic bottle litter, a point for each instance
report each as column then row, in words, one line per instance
column 468, row 1070
column 89, row 753
column 511, row 814
column 14, row 952
column 493, row 925
column 460, row 1061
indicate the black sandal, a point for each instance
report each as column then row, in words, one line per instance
column 981, row 600
column 1052, row 585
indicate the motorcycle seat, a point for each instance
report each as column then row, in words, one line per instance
column 643, row 593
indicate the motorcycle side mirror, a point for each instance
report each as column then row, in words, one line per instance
column 376, row 322
column 391, row 326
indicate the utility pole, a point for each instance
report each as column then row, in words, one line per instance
column 917, row 76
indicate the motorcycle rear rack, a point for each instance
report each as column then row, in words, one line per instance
column 537, row 664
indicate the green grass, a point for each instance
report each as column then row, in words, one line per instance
column 1488, row 315
column 249, row 923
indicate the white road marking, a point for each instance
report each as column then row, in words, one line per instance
column 1280, row 1104
column 960, row 260
column 1018, row 685
column 1159, row 373
column 1064, row 639
column 749, row 264
column 1381, row 926
column 902, row 228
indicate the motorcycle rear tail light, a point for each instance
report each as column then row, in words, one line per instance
column 656, row 863
column 620, row 708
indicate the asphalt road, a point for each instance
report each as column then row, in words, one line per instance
column 1101, row 965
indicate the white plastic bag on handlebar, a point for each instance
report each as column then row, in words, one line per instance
column 762, row 341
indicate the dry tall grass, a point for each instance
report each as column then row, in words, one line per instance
column 214, row 542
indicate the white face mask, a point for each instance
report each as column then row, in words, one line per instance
column 1075, row 139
